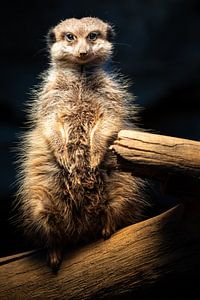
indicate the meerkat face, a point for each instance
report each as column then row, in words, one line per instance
column 80, row 41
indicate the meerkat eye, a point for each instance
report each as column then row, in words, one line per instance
column 92, row 36
column 70, row 37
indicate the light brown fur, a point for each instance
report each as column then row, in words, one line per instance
column 67, row 191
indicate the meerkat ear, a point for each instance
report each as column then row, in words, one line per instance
column 110, row 33
column 51, row 37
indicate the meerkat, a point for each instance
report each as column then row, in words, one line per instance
column 69, row 190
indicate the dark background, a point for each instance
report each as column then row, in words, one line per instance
column 157, row 47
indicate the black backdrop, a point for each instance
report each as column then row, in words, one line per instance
column 157, row 47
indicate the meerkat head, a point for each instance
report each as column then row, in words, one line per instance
column 80, row 41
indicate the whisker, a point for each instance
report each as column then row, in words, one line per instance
column 124, row 44
column 42, row 50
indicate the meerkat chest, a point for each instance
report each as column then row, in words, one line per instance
column 78, row 126
column 78, row 123
column 77, row 117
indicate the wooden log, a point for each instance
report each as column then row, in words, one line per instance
column 159, row 152
column 161, row 157
column 136, row 256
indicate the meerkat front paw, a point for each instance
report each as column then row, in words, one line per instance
column 95, row 160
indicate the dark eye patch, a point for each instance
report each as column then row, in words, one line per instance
column 92, row 36
column 69, row 36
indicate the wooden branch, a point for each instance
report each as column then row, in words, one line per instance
column 161, row 157
column 137, row 256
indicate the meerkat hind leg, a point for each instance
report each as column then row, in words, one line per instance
column 54, row 243
column 109, row 226
column 45, row 215
column 54, row 257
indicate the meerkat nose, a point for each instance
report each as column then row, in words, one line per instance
column 83, row 53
